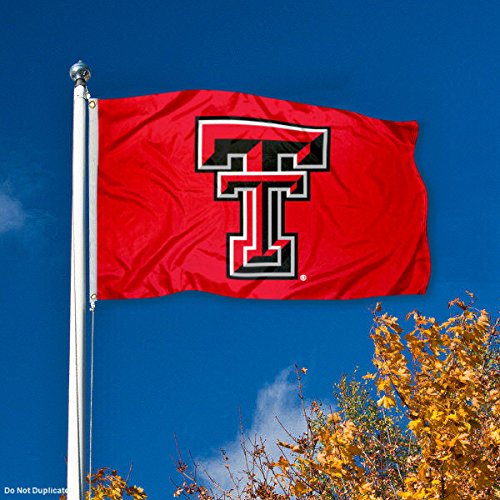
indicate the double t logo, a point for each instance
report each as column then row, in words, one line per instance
column 262, row 164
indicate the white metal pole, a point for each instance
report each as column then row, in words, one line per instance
column 79, row 73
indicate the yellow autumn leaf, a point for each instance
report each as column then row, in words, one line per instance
column 283, row 463
column 334, row 418
column 416, row 425
column 299, row 488
column 386, row 402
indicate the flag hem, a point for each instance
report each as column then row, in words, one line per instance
column 93, row 169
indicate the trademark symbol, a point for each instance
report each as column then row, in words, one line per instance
column 303, row 277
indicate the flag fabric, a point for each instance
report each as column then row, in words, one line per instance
column 253, row 197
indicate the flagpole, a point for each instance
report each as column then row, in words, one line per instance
column 79, row 73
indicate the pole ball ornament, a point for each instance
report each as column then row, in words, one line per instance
column 79, row 71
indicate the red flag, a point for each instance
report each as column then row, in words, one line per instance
column 248, row 196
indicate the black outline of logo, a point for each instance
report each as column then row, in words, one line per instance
column 236, row 163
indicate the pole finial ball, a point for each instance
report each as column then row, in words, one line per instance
column 79, row 71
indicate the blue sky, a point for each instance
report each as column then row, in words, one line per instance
column 188, row 363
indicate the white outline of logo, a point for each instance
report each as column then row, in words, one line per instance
column 222, row 171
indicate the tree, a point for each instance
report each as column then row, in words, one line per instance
column 432, row 431
column 424, row 425
column 106, row 483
